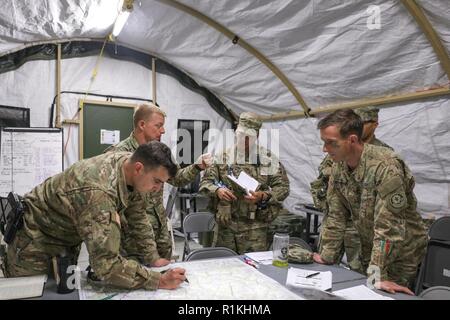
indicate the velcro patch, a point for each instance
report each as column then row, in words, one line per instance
column 390, row 186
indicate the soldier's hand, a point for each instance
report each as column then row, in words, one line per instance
column 254, row 197
column 161, row 262
column 225, row 194
column 392, row 287
column 224, row 218
column 318, row 259
column 172, row 278
column 204, row 161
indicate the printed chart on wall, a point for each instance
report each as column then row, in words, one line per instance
column 28, row 156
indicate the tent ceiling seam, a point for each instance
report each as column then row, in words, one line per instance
column 238, row 40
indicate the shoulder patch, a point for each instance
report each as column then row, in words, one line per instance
column 397, row 200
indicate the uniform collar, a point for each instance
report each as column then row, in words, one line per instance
column 133, row 140
column 371, row 140
column 359, row 171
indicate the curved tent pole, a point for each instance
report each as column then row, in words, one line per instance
column 416, row 11
column 380, row 102
column 237, row 40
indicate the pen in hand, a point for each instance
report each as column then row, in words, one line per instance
column 312, row 274
column 164, row 271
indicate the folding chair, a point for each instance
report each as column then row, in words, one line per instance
column 209, row 253
column 169, row 212
column 435, row 268
column 436, row 293
column 196, row 222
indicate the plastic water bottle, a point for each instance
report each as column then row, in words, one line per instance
column 280, row 249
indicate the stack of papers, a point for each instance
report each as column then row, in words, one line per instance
column 245, row 182
column 22, row 287
column 360, row 293
column 317, row 280
column 263, row 257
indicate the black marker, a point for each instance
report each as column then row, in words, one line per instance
column 312, row 275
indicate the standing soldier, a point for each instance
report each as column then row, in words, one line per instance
column 373, row 187
column 244, row 218
column 148, row 123
column 87, row 202
column 351, row 245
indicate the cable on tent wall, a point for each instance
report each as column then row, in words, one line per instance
column 80, row 104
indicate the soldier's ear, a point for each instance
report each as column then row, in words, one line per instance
column 353, row 138
column 138, row 167
column 141, row 124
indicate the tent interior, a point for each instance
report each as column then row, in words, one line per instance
column 289, row 61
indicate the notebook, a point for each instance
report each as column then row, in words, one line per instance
column 22, row 287
column 244, row 182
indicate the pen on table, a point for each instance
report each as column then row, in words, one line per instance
column 312, row 274
column 250, row 262
column 109, row 297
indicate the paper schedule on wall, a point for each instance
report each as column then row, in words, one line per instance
column 109, row 136
column 28, row 156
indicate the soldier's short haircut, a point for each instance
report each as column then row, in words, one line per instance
column 144, row 112
column 346, row 120
column 155, row 154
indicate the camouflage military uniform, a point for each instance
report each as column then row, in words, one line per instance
column 378, row 197
column 84, row 203
column 160, row 237
column 319, row 187
column 246, row 233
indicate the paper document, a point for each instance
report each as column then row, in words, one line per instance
column 360, row 293
column 318, row 280
column 22, row 287
column 263, row 257
column 109, row 136
column 245, row 182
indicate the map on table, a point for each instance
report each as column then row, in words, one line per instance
column 220, row 279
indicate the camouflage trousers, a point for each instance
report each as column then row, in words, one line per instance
column 243, row 241
column 31, row 251
column 26, row 256
column 162, row 236
column 351, row 246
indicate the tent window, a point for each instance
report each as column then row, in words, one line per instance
column 14, row 117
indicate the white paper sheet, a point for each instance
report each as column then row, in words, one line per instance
column 245, row 181
column 263, row 257
column 22, row 287
column 298, row 278
column 109, row 136
column 360, row 293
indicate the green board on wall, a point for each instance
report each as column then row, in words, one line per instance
column 99, row 115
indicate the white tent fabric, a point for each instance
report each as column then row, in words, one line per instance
column 330, row 51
